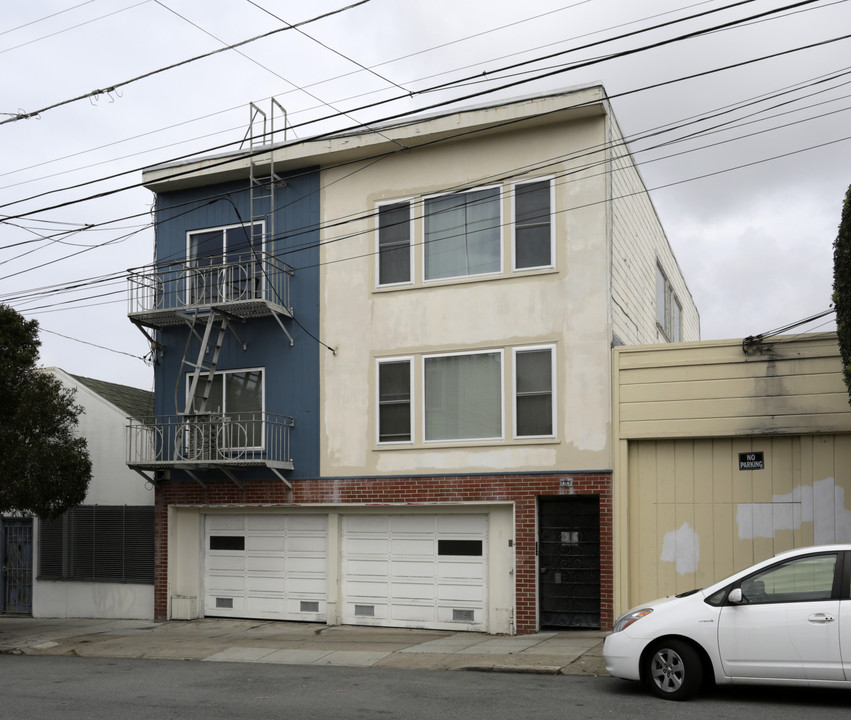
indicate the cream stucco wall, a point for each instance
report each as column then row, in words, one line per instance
column 566, row 306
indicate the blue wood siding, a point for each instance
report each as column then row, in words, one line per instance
column 291, row 373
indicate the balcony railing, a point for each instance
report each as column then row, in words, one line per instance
column 210, row 440
column 248, row 285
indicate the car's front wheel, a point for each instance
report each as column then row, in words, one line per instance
column 673, row 670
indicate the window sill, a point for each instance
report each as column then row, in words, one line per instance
column 467, row 444
column 466, row 280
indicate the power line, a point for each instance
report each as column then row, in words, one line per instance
column 339, row 77
column 637, row 137
column 433, row 106
column 64, row 30
column 568, row 173
column 46, row 17
column 112, row 88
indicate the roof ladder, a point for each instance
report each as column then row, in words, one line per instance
column 261, row 168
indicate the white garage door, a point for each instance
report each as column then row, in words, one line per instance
column 415, row 571
column 272, row 567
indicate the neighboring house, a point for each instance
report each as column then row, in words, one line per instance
column 383, row 381
column 97, row 560
column 727, row 453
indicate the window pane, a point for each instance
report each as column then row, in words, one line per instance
column 394, row 243
column 244, row 407
column 244, row 392
column 463, row 397
column 532, row 233
column 241, row 278
column 462, row 234
column 215, row 399
column 482, row 232
column 661, row 284
column 534, row 371
column 534, row 405
column 207, row 248
column 240, row 245
column 533, row 246
column 534, row 415
column 801, row 580
column 394, row 401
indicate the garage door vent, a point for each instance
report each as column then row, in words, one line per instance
column 365, row 610
column 311, row 606
column 224, row 603
column 463, row 615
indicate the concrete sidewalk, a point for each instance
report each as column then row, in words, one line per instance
column 577, row 652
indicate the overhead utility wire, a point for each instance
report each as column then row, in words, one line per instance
column 521, row 171
column 570, row 209
column 395, row 116
column 113, row 88
column 322, row 82
column 330, row 49
column 73, row 27
column 636, row 137
column 328, row 117
column 46, row 17
column 276, row 74
column 632, row 33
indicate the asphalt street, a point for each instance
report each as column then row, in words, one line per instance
column 78, row 688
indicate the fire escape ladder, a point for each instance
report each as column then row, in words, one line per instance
column 196, row 404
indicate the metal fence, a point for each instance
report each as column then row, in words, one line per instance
column 209, row 281
column 210, row 439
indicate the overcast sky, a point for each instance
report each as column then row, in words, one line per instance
column 748, row 175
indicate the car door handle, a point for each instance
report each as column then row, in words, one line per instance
column 821, row 618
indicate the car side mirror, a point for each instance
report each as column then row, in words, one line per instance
column 735, row 596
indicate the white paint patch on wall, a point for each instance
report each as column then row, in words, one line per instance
column 823, row 504
column 682, row 546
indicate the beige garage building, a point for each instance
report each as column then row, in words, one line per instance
column 725, row 454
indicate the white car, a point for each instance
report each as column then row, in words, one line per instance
column 784, row 621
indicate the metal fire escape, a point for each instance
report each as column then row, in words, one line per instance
column 211, row 297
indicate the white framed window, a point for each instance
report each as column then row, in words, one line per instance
column 463, row 396
column 668, row 307
column 224, row 262
column 394, row 257
column 533, row 224
column 394, row 400
column 534, row 391
column 462, row 234
column 237, row 398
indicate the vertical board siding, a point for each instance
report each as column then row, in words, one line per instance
column 688, row 539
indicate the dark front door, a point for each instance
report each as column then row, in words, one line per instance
column 16, row 555
column 569, row 561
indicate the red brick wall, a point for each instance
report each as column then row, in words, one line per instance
column 521, row 489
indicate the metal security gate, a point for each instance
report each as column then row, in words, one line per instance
column 16, row 555
column 569, row 561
